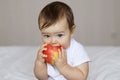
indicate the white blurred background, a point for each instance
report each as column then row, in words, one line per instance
column 98, row 22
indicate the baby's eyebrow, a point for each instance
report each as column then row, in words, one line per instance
column 45, row 33
column 60, row 32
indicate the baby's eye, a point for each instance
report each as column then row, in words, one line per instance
column 60, row 35
column 47, row 36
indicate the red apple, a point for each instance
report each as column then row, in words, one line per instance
column 50, row 52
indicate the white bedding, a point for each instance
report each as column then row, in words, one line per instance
column 105, row 63
column 16, row 63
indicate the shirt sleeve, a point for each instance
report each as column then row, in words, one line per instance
column 79, row 55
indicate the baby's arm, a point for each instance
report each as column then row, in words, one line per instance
column 75, row 73
column 40, row 68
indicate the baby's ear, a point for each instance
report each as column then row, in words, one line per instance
column 73, row 30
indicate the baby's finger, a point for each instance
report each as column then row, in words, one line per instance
column 41, row 50
column 40, row 53
column 59, row 53
column 63, row 52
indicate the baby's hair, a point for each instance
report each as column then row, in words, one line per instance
column 53, row 12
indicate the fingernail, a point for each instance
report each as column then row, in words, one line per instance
column 45, row 55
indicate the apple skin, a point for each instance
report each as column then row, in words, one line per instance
column 50, row 52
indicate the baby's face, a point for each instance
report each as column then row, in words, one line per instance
column 57, row 34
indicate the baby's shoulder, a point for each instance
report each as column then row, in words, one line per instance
column 76, row 45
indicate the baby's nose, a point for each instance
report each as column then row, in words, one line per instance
column 54, row 41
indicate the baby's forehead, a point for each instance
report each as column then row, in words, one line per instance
column 48, row 23
column 59, row 26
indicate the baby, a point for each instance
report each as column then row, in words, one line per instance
column 56, row 23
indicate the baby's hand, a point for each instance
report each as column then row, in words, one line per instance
column 41, row 56
column 62, row 61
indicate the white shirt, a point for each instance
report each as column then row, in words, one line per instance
column 76, row 55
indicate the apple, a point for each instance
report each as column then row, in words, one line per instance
column 50, row 52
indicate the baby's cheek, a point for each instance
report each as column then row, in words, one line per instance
column 46, row 41
column 65, row 45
